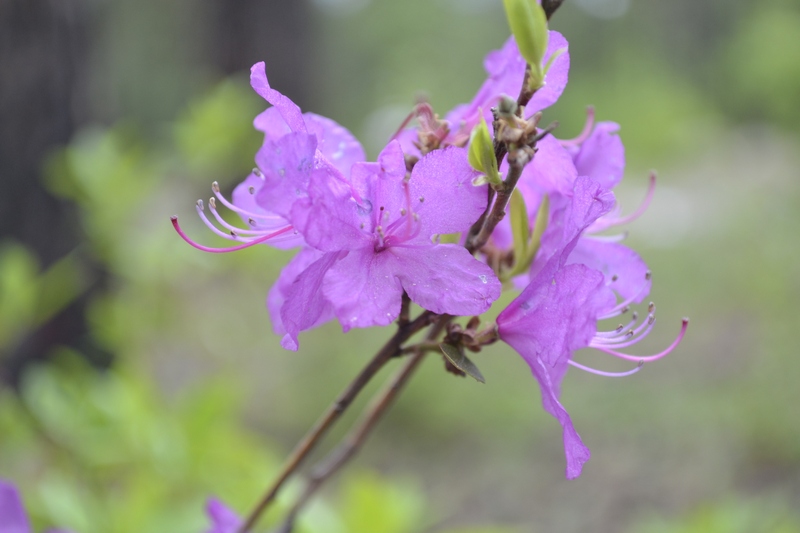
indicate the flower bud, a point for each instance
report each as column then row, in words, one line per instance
column 481, row 154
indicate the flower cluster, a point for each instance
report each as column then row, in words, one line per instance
column 425, row 222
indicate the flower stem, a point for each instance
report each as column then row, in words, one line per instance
column 334, row 411
column 356, row 438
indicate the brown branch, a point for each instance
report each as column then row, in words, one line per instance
column 334, row 411
column 550, row 7
column 356, row 438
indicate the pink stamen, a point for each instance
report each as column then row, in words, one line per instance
column 183, row 235
column 583, row 135
column 649, row 358
column 201, row 213
column 631, row 337
column 604, row 373
column 239, row 210
column 228, row 226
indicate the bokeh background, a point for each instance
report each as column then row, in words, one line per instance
column 138, row 376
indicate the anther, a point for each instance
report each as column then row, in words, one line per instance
column 257, row 172
column 233, row 234
column 421, row 198
column 215, row 187
column 251, row 221
column 251, row 190
column 635, row 316
column 651, row 319
column 648, row 275
column 625, row 310
column 212, row 203
column 614, row 278
column 200, row 205
column 403, row 211
column 651, row 307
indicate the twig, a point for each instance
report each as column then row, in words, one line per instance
column 356, row 438
column 334, row 411
column 550, row 7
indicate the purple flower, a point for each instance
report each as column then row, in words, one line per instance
column 506, row 71
column 223, row 519
column 378, row 235
column 13, row 518
column 294, row 142
column 575, row 283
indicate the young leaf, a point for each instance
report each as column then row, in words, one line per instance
column 459, row 360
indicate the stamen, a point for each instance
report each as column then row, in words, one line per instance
column 257, row 172
column 647, row 359
column 244, row 212
column 583, row 135
column 607, row 374
column 213, row 208
column 251, row 190
column 183, row 235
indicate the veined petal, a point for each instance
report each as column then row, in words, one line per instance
column 330, row 219
column 289, row 110
column 554, row 316
column 442, row 193
column 445, row 278
column 624, row 270
column 336, row 144
column 602, row 155
column 287, row 164
column 283, row 285
column 364, row 289
column 305, row 303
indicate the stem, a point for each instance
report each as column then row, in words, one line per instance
column 498, row 209
column 334, row 411
column 356, row 438
column 550, row 7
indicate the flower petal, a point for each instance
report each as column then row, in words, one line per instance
column 305, row 304
column 556, row 78
column 287, row 164
column 602, row 155
column 363, row 289
column 223, row 519
column 442, row 193
column 554, row 316
column 624, row 270
column 12, row 513
column 283, row 285
column 445, row 278
column 289, row 110
column 336, row 144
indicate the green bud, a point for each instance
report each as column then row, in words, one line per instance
column 528, row 23
column 481, row 154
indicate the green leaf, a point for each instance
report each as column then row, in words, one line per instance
column 456, row 356
column 528, row 23
column 518, row 216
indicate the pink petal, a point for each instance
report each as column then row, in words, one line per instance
column 602, row 155
column 305, row 306
column 445, row 278
column 363, row 289
column 287, row 164
column 336, row 144
column 624, row 270
column 289, row 110
column 442, row 193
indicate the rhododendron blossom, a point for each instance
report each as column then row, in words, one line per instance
column 438, row 223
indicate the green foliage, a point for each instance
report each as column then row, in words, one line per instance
column 762, row 73
column 729, row 516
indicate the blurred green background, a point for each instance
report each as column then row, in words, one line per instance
column 139, row 376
